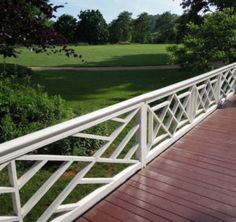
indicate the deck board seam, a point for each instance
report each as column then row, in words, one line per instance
column 178, row 203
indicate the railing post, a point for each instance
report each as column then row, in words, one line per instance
column 16, row 195
column 192, row 105
column 218, row 89
column 142, row 135
column 234, row 74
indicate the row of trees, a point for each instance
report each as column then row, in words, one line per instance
column 92, row 28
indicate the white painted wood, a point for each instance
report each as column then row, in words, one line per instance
column 66, row 208
column 167, row 143
column 59, row 158
column 161, row 105
column 95, row 180
column 182, row 123
column 184, row 95
column 30, row 173
column 62, row 196
column 116, row 133
column 160, row 138
column 7, row 190
column 56, row 158
column 131, row 152
column 116, row 119
column 142, row 135
column 198, row 99
column 45, row 187
column 124, row 142
column 107, row 160
column 3, row 166
column 160, row 123
column 16, row 195
column 89, row 136
column 98, row 194
column 150, row 135
column 8, row 219
column 192, row 104
column 46, row 136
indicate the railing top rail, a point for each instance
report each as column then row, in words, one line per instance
column 35, row 137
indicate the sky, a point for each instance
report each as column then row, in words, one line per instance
column 111, row 8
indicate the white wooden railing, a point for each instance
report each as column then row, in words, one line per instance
column 161, row 117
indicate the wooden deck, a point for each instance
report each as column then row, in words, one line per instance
column 194, row 180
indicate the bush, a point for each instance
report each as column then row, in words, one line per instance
column 24, row 109
column 13, row 71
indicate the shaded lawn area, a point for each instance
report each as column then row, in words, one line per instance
column 89, row 91
column 100, row 55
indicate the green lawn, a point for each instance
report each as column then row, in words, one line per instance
column 89, row 91
column 101, row 55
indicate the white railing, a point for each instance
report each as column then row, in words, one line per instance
column 138, row 130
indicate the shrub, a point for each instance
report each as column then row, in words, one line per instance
column 213, row 41
column 24, row 109
column 13, row 71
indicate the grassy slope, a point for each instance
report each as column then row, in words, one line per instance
column 88, row 91
column 102, row 55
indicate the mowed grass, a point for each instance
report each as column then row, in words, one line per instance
column 100, row 55
column 89, row 91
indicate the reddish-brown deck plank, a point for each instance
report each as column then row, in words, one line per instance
column 194, row 180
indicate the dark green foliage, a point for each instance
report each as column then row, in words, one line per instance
column 14, row 71
column 66, row 25
column 210, row 42
column 24, row 22
column 152, row 22
column 27, row 23
column 141, row 33
column 166, row 28
column 144, row 29
column 196, row 6
column 182, row 22
column 24, row 109
column 92, row 27
column 121, row 28
column 195, row 10
column 75, row 146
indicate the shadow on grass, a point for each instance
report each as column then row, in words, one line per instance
column 128, row 60
column 94, row 90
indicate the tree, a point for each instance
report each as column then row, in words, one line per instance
column 197, row 6
column 25, row 23
column 92, row 27
column 121, row 28
column 212, row 41
column 141, row 33
column 182, row 22
column 152, row 22
column 66, row 25
column 166, row 28
column 195, row 10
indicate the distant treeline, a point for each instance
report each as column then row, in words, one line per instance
column 91, row 28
